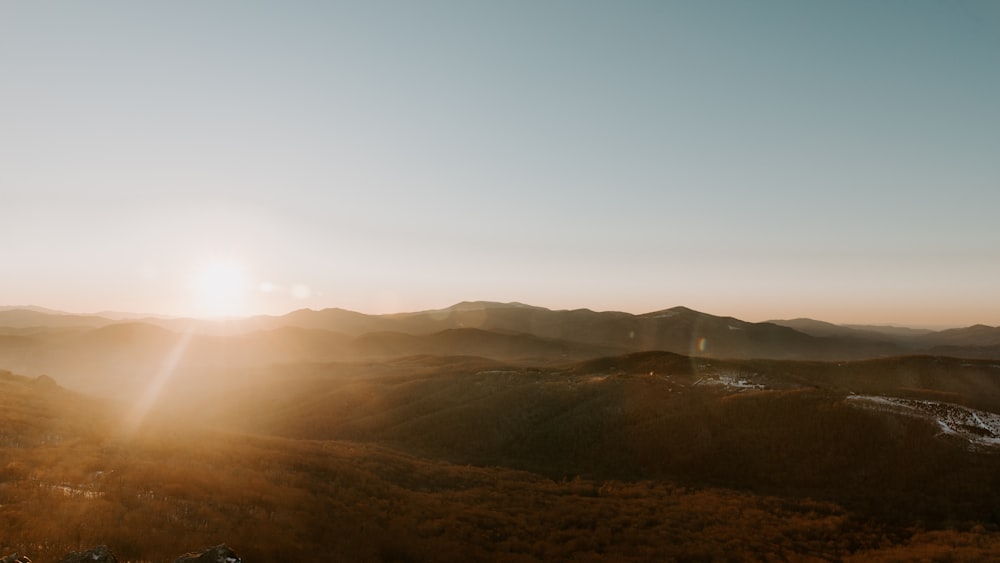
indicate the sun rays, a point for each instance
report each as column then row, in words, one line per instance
column 154, row 389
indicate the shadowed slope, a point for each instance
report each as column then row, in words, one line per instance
column 782, row 427
column 276, row 499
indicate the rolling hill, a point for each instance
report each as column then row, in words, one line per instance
column 121, row 357
column 637, row 457
column 679, row 329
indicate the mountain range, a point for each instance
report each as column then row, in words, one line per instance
column 677, row 329
column 116, row 356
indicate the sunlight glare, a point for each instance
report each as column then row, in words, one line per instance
column 221, row 290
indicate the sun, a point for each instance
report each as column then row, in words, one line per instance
column 221, row 289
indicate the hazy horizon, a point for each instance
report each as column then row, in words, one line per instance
column 139, row 315
column 767, row 160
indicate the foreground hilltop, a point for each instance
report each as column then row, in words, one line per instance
column 103, row 554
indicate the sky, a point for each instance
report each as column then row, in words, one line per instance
column 837, row 160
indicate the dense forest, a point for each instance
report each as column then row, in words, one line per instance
column 644, row 457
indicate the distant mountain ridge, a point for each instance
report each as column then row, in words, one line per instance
column 979, row 341
column 678, row 329
column 108, row 356
column 31, row 317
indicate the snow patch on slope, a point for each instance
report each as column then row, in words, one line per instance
column 978, row 427
column 739, row 381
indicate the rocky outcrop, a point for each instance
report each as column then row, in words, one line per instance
column 44, row 382
column 100, row 554
column 218, row 554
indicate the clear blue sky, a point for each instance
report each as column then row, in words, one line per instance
column 838, row 160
